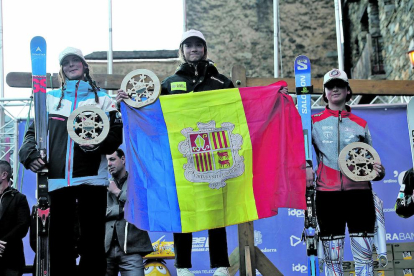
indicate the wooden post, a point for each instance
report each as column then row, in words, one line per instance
column 246, row 242
column 245, row 230
column 238, row 76
column 264, row 265
column 234, row 260
column 248, row 260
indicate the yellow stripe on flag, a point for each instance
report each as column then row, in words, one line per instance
column 202, row 207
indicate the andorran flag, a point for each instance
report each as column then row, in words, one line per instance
column 215, row 158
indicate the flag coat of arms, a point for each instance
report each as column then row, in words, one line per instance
column 215, row 158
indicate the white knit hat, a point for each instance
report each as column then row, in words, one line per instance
column 192, row 33
column 70, row 51
column 335, row 74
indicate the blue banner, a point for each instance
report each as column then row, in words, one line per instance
column 279, row 237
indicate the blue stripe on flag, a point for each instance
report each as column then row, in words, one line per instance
column 151, row 192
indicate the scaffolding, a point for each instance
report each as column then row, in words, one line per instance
column 9, row 132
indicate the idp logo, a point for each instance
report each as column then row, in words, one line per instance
column 300, row 268
column 296, row 213
column 294, row 240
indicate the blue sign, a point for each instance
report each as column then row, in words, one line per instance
column 279, row 237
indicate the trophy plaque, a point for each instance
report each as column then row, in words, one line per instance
column 356, row 161
column 88, row 125
column 142, row 86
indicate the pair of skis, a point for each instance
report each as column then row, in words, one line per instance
column 42, row 209
column 303, row 91
column 410, row 119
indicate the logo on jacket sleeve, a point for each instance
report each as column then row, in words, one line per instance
column 179, row 86
column 118, row 118
column 212, row 154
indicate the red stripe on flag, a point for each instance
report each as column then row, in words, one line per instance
column 214, row 140
column 279, row 176
column 224, row 138
column 209, row 162
column 205, row 161
column 219, row 139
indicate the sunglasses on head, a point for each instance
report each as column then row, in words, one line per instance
column 338, row 84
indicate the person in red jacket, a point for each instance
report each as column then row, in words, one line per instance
column 341, row 201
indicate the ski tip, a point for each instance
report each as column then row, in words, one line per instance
column 301, row 57
column 302, row 66
column 38, row 41
column 38, row 38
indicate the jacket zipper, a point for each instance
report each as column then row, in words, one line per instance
column 339, row 144
column 70, row 143
column 126, row 237
column 196, row 74
column 322, row 165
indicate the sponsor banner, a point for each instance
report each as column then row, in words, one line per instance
column 279, row 237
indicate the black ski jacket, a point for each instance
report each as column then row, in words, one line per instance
column 404, row 207
column 14, row 224
column 190, row 78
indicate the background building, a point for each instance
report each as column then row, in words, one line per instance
column 377, row 34
column 377, row 38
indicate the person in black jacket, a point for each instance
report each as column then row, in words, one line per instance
column 404, row 206
column 197, row 74
column 77, row 173
column 14, row 224
column 125, row 244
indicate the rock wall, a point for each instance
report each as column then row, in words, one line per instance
column 241, row 32
column 393, row 21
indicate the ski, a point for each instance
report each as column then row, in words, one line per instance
column 303, row 91
column 38, row 57
column 410, row 119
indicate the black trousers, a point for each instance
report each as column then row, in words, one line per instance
column 10, row 272
column 354, row 209
column 77, row 226
column 217, row 242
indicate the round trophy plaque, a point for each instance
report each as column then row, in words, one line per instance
column 88, row 125
column 356, row 161
column 142, row 86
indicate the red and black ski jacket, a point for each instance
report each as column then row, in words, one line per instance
column 332, row 130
